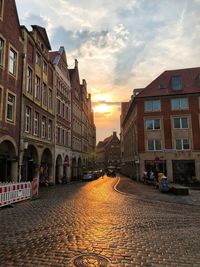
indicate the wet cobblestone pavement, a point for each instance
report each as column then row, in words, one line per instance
column 93, row 219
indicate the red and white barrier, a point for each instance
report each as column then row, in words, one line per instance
column 35, row 186
column 14, row 192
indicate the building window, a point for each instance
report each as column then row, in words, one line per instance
column 179, row 103
column 38, row 59
column 154, row 144
column 43, row 127
column 44, row 94
column 152, row 105
column 13, row 62
column 28, row 120
column 50, row 130
column 58, row 135
column 1, row 102
column 29, row 80
column 50, row 99
column 67, row 138
column 36, row 123
column 37, row 87
column 10, row 107
column 1, row 8
column 45, row 67
column 67, row 112
column 63, row 110
column 2, row 51
column 181, row 123
column 153, row 124
column 176, row 83
column 58, row 106
column 182, row 144
column 63, row 136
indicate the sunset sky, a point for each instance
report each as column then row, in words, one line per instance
column 120, row 44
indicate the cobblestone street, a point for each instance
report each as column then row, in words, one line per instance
column 91, row 219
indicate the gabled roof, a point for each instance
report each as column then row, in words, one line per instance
column 55, row 56
column 162, row 84
column 43, row 35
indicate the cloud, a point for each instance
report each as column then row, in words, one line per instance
column 120, row 45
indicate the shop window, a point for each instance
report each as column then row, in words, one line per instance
column 28, row 120
column 153, row 124
column 11, row 105
column 154, row 144
column 182, row 144
column 181, row 123
column 152, row 105
column 29, row 80
column 13, row 62
column 36, row 123
column 179, row 103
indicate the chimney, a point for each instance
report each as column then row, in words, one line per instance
column 76, row 63
column 114, row 133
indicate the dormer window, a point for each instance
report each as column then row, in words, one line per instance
column 176, row 83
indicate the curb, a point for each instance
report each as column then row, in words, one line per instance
column 149, row 200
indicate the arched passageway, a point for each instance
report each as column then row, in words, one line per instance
column 8, row 162
column 59, row 170
column 74, row 169
column 46, row 166
column 80, row 170
column 29, row 168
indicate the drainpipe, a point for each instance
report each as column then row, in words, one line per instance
column 20, row 117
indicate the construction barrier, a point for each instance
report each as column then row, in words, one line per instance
column 14, row 192
column 35, row 186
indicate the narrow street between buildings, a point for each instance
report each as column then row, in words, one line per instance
column 90, row 224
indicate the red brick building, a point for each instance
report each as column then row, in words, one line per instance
column 38, row 107
column 164, row 120
column 108, row 153
column 11, row 53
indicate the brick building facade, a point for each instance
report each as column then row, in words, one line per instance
column 11, row 54
column 164, row 122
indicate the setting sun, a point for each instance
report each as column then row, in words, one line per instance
column 102, row 109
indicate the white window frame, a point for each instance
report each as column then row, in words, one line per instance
column 12, row 61
column 43, row 127
column 153, row 124
column 12, row 105
column 182, row 144
column 44, row 94
column 154, row 144
column 36, row 123
column 179, row 103
column 50, row 127
column 29, row 85
column 28, row 120
column 37, row 87
column 181, row 124
column 152, row 102
column 2, row 51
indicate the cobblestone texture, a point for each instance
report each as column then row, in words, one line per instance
column 92, row 218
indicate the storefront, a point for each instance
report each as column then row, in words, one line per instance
column 183, row 171
column 155, row 166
